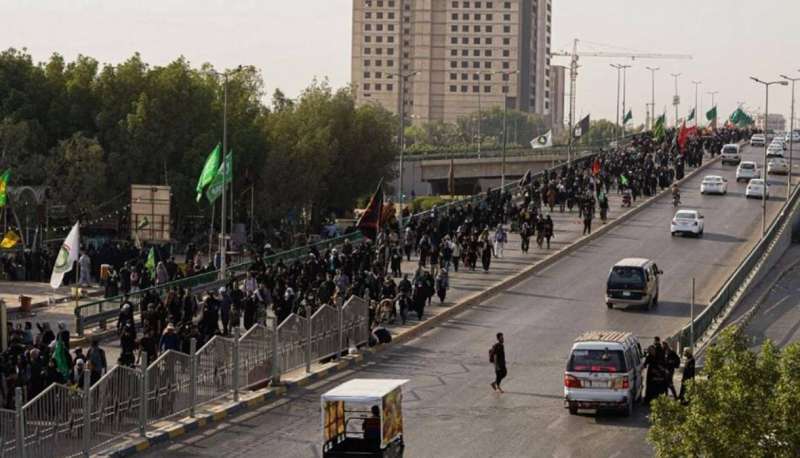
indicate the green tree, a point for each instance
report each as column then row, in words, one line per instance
column 601, row 132
column 76, row 172
column 741, row 405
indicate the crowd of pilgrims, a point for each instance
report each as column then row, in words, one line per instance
column 462, row 235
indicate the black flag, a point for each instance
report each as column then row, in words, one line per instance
column 582, row 128
column 370, row 221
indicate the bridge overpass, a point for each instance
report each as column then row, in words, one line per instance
column 450, row 409
column 429, row 174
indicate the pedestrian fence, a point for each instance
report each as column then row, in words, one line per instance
column 55, row 422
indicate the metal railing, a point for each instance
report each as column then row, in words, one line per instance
column 56, row 423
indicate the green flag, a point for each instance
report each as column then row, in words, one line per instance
column 4, row 178
column 711, row 114
column 151, row 262
column 628, row 117
column 691, row 115
column 209, row 171
column 658, row 128
column 61, row 357
column 215, row 188
column 623, row 180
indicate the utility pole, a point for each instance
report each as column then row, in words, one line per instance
column 676, row 100
column 401, row 134
column 619, row 67
column 766, row 84
column 696, row 109
column 791, row 139
column 713, row 104
column 653, row 71
column 573, row 77
column 624, row 93
column 505, row 129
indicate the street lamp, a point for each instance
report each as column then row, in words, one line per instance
column 696, row 108
column 653, row 71
column 676, row 100
column 505, row 131
column 766, row 84
column 619, row 67
column 713, row 104
column 401, row 135
column 791, row 138
column 223, row 245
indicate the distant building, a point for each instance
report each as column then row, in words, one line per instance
column 558, row 75
column 467, row 55
column 776, row 122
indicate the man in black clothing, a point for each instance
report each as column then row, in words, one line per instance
column 497, row 355
column 688, row 373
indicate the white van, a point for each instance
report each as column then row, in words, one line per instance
column 604, row 371
column 730, row 154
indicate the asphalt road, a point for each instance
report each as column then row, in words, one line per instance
column 450, row 410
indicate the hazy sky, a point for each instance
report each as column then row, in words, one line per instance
column 292, row 41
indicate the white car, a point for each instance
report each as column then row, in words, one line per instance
column 746, row 171
column 713, row 184
column 778, row 141
column 777, row 166
column 775, row 150
column 795, row 136
column 730, row 154
column 757, row 188
column 687, row 222
column 757, row 140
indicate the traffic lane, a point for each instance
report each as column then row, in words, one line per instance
column 778, row 318
column 450, row 409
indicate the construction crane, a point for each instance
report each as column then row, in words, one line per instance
column 573, row 72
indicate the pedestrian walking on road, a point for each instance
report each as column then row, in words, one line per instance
column 673, row 361
column 497, row 355
column 688, row 373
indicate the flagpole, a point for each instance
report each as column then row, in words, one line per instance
column 211, row 234
column 223, row 214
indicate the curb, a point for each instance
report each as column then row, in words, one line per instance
column 549, row 260
column 200, row 421
column 189, row 425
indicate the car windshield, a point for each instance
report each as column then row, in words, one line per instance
column 622, row 277
column 729, row 150
column 684, row 215
column 712, row 180
column 757, row 182
column 746, row 166
column 596, row 361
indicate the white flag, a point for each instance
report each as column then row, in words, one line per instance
column 543, row 141
column 67, row 256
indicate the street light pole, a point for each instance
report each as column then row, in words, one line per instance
column 619, row 74
column 696, row 107
column 713, row 104
column 791, row 139
column 676, row 99
column 401, row 134
column 624, row 92
column 766, row 84
column 653, row 71
column 505, row 131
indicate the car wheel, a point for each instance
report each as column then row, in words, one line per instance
column 573, row 410
column 609, row 305
column 672, row 233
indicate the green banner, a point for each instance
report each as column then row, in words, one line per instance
column 215, row 188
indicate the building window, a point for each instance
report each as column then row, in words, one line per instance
column 390, row 15
column 454, row 16
column 477, row 28
column 367, row 39
column 506, row 17
column 506, row 53
column 506, row 41
column 465, row 28
column 476, row 52
column 368, row 15
column 465, row 4
column 465, row 16
column 505, row 76
column 489, row 5
column 454, row 76
column 390, row 63
column 487, row 77
column 547, row 105
column 477, row 17
column 506, row 29
column 476, row 88
column 389, row 87
column 487, row 64
column 379, row 39
column 379, row 27
column 391, row 3
column 390, row 51
column 390, row 39
column 489, row 40
column 406, row 19
column 453, row 88
column 379, row 15
column 464, row 76
column 464, row 64
column 455, row 4
column 476, row 76
column 380, row 3
column 506, row 65
column 489, row 29
column 507, row 5
column 476, row 64
column 488, row 53
column 453, row 40
column 390, row 27
column 454, row 52
column 378, row 63
column 454, row 28
column 367, row 51
column 477, row 4
column 463, row 88
column 487, row 89
column 476, row 40
column 489, row 17
column 367, row 63
column 377, row 86
column 505, row 89
column 378, row 75
column 368, row 3
column 465, row 40
column 378, row 51
column 367, row 27
column 465, row 52
column 453, row 64
column 366, row 86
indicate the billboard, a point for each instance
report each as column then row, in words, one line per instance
column 150, row 213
